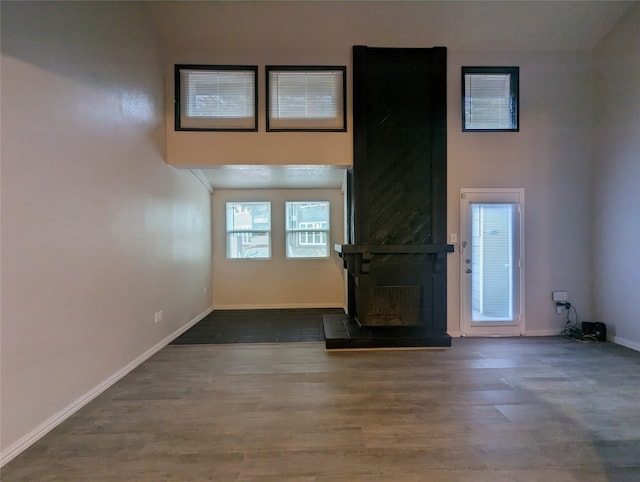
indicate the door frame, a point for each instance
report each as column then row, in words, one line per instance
column 467, row 327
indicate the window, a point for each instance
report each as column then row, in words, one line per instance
column 249, row 230
column 306, row 98
column 490, row 99
column 213, row 97
column 307, row 229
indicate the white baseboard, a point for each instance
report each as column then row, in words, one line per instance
column 278, row 306
column 41, row 430
column 634, row 345
column 457, row 334
column 552, row 332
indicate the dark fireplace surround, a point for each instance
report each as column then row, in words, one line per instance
column 396, row 252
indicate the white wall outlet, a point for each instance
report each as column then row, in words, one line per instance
column 453, row 238
column 159, row 315
column 560, row 296
column 156, row 317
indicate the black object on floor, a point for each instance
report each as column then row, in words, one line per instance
column 341, row 332
column 258, row 326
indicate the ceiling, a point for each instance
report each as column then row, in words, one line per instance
column 274, row 177
column 331, row 25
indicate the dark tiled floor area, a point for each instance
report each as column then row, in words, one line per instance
column 258, row 326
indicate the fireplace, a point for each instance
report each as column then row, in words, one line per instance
column 396, row 250
column 395, row 285
column 389, row 305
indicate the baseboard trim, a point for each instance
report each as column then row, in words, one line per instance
column 619, row 340
column 555, row 332
column 278, row 306
column 457, row 334
column 41, row 430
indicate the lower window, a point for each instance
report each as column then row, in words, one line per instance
column 249, row 230
column 307, row 229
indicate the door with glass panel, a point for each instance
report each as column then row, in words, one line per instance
column 491, row 262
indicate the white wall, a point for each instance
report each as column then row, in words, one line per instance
column 615, row 208
column 550, row 157
column 277, row 282
column 98, row 233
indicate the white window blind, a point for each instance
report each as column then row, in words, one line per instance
column 306, row 99
column 493, row 261
column 217, row 99
column 490, row 99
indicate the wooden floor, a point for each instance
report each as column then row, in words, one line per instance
column 494, row 409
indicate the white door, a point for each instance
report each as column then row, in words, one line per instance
column 491, row 262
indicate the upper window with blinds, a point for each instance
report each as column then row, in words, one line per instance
column 306, row 98
column 490, row 99
column 216, row 97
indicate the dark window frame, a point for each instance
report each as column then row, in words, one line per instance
column 514, row 96
column 230, row 68
column 306, row 68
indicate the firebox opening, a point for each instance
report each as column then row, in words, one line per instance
column 388, row 305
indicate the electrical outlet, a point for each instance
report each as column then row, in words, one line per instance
column 159, row 315
column 562, row 305
column 156, row 317
column 453, row 238
column 560, row 296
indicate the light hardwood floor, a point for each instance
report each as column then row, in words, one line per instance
column 494, row 409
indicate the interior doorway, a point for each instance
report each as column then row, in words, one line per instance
column 491, row 262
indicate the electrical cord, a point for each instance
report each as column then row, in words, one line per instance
column 573, row 330
column 570, row 330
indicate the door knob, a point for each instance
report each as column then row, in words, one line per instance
column 468, row 270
